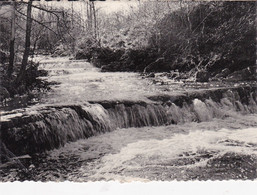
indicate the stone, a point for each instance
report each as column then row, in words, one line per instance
column 246, row 74
column 152, row 75
column 224, row 73
column 202, row 76
column 3, row 56
column 4, row 93
column 157, row 66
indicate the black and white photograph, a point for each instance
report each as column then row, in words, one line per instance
column 139, row 90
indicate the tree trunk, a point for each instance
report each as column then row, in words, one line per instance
column 72, row 13
column 12, row 41
column 27, row 45
column 95, row 24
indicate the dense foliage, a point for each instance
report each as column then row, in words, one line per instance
column 211, row 36
column 217, row 37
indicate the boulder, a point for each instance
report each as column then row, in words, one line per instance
column 83, row 55
column 202, row 76
column 150, row 75
column 246, row 74
column 112, row 67
column 106, row 68
column 4, row 93
column 3, row 56
column 224, row 73
column 158, row 65
column 182, row 76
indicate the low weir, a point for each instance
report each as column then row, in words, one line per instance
column 47, row 127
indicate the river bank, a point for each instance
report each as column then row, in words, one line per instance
column 186, row 43
column 12, row 94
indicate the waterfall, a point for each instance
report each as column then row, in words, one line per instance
column 50, row 127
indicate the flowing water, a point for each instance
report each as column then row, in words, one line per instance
column 102, row 126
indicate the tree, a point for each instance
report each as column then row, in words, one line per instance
column 60, row 26
column 27, row 44
column 12, row 42
column 92, row 20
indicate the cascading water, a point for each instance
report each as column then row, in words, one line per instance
column 147, row 128
column 50, row 127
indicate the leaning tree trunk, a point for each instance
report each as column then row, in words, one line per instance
column 27, row 45
column 11, row 58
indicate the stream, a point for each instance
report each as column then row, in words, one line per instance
column 124, row 126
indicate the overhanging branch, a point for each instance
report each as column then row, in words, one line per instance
column 39, row 23
column 54, row 12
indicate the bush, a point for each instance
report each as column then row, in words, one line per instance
column 216, row 36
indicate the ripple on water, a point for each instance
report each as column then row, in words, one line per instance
column 218, row 149
column 80, row 81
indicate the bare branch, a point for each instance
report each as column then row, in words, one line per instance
column 54, row 12
column 39, row 23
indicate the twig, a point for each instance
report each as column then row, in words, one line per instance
column 39, row 23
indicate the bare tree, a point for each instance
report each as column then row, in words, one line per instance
column 12, row 41
column 27, row 44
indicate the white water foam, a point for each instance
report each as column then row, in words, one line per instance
column 134, row 153
column 167, row 152
column 98, row 113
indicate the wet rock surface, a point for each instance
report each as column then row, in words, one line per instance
column 97, row 126
column 202, row 76
column 50, row 127
column 246, row 74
